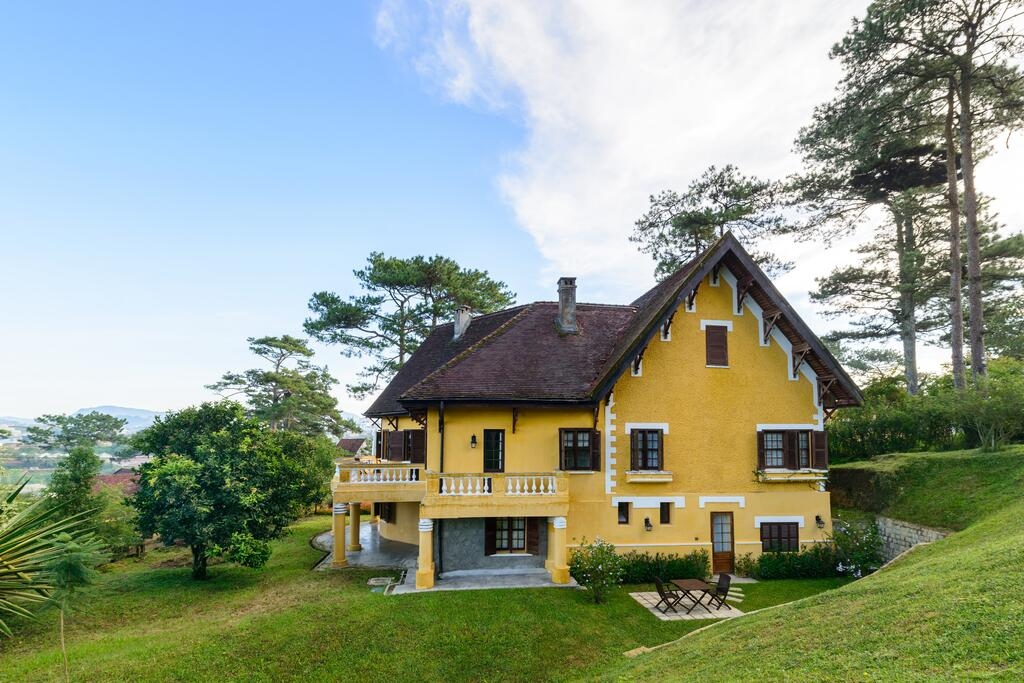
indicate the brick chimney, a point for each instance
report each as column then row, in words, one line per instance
column 462, row 320
column 566, row 322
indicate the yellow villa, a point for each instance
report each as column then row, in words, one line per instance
column 692, row 418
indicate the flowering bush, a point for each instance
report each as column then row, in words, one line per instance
column 597, row 568
column 858, row 547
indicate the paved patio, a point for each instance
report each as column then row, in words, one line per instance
column 376, row 552
column 650, row 600
column 482, row 580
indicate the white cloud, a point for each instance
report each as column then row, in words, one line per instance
column 623, row 99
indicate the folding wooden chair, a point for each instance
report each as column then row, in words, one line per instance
column 670, row 597
column 717, row 597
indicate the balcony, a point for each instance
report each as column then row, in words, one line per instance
column 497, row 494
column 381, row 482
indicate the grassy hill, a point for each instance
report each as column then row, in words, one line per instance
column 950, row 610
column 947, row 490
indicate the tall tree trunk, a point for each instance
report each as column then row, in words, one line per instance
column 199, row 562
column 956, row 306
column 906, row 250
column 977, row 316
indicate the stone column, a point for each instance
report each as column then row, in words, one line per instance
column 354, row 513
column 340, row 510
column 556, row 552
column 425, row 566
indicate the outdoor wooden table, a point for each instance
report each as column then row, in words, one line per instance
column 691, row 588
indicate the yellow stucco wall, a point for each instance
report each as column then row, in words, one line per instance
column 710, row 415
column 404, row 528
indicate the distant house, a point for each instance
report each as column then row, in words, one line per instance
column 351, row 446
column 125, row 479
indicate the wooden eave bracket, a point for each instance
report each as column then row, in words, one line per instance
column 825, row 384
column 393, row 423
column 714, row 273
column 799, row 355
column 746, row 284
column 771, row 317
column 691, row 297
column 515, row 419
column 667, row 327
column 638, row 360
column 419, row 418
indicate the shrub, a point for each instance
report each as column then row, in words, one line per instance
column 114, row 522
column 597, row 568
column 641, row 567
column 818, row 561
column 858, row 547
column 746, row 565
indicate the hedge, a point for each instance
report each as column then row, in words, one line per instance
column 641, row 567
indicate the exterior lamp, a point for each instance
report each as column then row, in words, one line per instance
column 647, row 524
column 472, row 442
column 819, row 521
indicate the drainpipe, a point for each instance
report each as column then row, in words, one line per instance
column 439, row 563
column 440, row 428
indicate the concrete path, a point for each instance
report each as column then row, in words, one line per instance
column 467, row 581
column 376, row 552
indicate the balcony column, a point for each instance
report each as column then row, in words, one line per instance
column 340, row 510
column 556, row 562
column 354, row 513
column 425, row 566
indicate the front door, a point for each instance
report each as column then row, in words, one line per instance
column 722, row 555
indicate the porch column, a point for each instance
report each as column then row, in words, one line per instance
column 354, row 513
column 556, row 562
column 340, row 510
column 425, row 566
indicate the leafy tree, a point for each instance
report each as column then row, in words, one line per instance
column 64, row 432
column 73, row 567
column 314, row 461
column 995, row 411
column 295, row 397
column 219, row 481
column 115, row 522
column 678, row 227
column 71, row 483
column 402, row 300
column 27, row 547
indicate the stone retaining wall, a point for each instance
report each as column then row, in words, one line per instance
column 899, row 536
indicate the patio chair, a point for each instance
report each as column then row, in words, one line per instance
column 670, row 597
column 716, row 598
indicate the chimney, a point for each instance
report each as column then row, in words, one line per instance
column 462, row 320
column 566, row 322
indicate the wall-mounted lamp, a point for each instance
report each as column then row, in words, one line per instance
column 472, row 441
column 647, row 524
column 819, row 521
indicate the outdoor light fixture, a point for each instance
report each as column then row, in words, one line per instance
column 819, row 521
column 647, row 524
column 472, row 442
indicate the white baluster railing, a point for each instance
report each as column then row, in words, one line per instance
column 464, row 485
column 385, row 475
column 530, row 485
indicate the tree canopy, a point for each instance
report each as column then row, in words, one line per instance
column 64, row 432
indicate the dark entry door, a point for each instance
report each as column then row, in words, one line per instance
column 722, row 554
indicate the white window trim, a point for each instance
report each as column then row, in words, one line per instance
column 787, row 427
column 704, row 324
column 770, row 519
column 704, row 500
column 630, row 426
column 649, row 502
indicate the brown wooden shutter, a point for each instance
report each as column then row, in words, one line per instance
column 820, row 461
column 490, row 528
column 789, row 450
column 661, row 450
column 533, row 535
column 396, row 445
column 717, row 345
column 595, row 450
column 378, row 450
column 634, row 450
column 561, row 448
column 416, row 450
column 760, row 451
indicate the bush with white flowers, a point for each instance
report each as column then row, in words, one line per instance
column 597, row 568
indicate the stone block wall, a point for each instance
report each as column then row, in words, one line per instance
column 899, row 536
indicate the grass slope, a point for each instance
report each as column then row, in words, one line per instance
column 947, row 490
column 147, row 621
column 950, row 610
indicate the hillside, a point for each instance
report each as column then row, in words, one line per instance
column 948, row 610
column 947, row 490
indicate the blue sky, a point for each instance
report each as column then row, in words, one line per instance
column 176, row 177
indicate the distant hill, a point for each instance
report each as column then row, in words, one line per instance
column 138, row 418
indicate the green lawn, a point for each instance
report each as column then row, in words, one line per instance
column 947, row 490
column 951, row 610
column 148, row 621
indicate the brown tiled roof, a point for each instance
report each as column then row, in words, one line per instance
column 518, row 355
column 128, row 482
column 351, row 445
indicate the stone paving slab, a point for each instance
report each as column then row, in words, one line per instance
column 651, row 599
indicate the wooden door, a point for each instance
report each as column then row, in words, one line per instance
column 722, row 548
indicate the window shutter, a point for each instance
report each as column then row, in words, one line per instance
column 417, row 445
column 634, row 450
column 661, row 450
column 789, row 450
column 561, row 448
column 820, row 461
column 717, row 345
column 595, row 450
column 533, row 535
column 760, row 451
column 489, row 533
column 378, row 450
column 396, row 446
